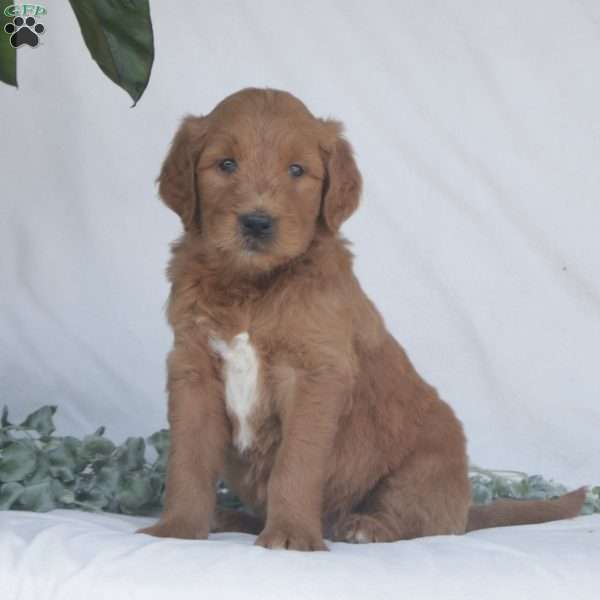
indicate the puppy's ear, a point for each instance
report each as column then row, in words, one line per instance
column 343, row 182
column 177, row 180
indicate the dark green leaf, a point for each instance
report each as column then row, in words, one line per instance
column 41, row 472
column 17, row 460
column 93, row 499
column 9, row 494
column 62, row 473
column 160, row 441
column 5, row 438
column 226, row 498
column 75, row 447
column 41, row 420
column 59, row 490
column 96, row 447
column 8, row 56
column 38, row 497
column 120, row 39
column 131, row 455
column 107, row 480
column 136, row 491
column 4, row 422
column 67, row 497
column 63, row 460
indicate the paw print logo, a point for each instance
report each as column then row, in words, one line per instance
column 24, row 31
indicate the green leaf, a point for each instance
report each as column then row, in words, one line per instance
column 41, row 472
column 8, row 58
column 75, row 447
column 17, row 460
column 62, row 473
column 160, row 441
column 136, row 491
column 92, row 499
column 38, row 497
column 4, row 422
column 5, row 438
column 41, row 420
column 96, row 447
column 131, row 455
column 9, row 494
column 120, row 39
column 60, row 491
column 227, row 499
column 107, row 480
column 63, row 460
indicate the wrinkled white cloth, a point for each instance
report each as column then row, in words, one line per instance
column 69, row 555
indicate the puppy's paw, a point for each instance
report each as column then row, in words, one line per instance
column 289, row 538
column 177, row 528
column 361, row 529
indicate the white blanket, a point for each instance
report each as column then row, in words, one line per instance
column 71, row 555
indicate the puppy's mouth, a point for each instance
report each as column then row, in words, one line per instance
column 254, row 246
column 257, row 231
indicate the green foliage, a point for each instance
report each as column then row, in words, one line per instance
column 488, row 485
column 19, row 460
column 8, row 54
column 40, row 471
column 120, row 39
column 118, row 36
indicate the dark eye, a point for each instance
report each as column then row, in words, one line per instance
column 295, row 170
column 228, row 165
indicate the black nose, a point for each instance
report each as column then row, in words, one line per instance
column 257, row 225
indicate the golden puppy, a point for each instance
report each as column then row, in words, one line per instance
column 283, row 379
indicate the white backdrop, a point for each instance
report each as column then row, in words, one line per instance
column 476, row 126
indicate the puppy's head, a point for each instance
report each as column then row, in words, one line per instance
column 257, row 177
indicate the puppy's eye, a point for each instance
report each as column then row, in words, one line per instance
column 296, row 170
column 228, row 165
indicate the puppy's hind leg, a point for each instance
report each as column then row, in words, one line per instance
column 427, row 495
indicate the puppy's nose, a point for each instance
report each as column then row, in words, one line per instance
column 257, row 225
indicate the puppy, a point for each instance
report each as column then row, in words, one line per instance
column 283, row 380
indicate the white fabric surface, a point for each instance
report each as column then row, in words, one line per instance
column 69, row 555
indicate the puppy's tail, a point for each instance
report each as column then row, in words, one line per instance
column 523, row 512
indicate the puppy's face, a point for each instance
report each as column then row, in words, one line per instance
column 257, row 176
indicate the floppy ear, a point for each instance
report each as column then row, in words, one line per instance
column 343, row 182
column 177, row 179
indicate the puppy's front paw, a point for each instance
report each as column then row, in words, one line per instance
column 289, row 538
column 177, row 528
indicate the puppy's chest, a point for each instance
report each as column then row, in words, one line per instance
column 246, row 386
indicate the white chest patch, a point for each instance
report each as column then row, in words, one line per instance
column 240, row 375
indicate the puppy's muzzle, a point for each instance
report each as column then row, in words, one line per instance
column 257, row 226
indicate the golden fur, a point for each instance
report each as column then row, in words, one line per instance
column 349, row 442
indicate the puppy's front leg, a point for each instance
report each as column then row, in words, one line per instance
column 200, row 432
column 295, row 489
